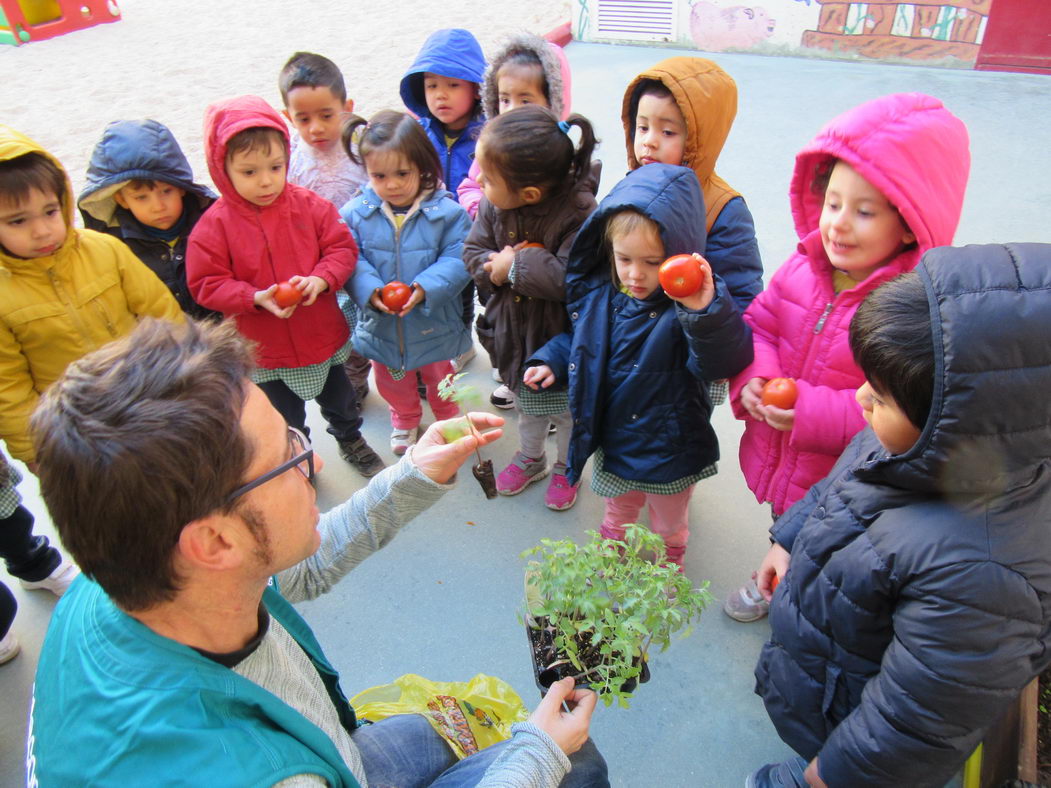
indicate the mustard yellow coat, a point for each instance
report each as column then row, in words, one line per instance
column 57, row 308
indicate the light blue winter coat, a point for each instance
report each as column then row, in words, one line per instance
column 428, row 251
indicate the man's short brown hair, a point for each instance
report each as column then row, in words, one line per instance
column 137, row 440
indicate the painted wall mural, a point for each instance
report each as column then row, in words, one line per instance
column 942, row 31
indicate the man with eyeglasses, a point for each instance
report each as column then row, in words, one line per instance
column 177, row 659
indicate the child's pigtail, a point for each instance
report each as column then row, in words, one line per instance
column 351, row 124
column 581, row 166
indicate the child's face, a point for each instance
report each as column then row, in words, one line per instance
column 637, row 256
column 393, row 177
column 158, row 206
column 450, row 100
column 517, row 86
column 258, row 175
column 317, row 115
column 660, row 131
column 888, row 420
column 33, row 227
column 494, row 187
column 860, row 230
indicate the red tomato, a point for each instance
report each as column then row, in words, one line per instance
column 774, row 582
column 532, row 245
column 396, row 295
column 780, row 392
column 680, row 275
column 287, row 295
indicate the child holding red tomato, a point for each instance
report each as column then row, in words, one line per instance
column 638, row 359
column 877, row 187
column 517, row 252
column 410, row 233
column 261, row 237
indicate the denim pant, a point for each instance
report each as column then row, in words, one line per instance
column 405, row 752
column 27, row 557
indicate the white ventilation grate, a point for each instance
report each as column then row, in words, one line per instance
column 646, row 20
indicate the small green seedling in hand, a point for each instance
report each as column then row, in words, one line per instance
column 452, row 389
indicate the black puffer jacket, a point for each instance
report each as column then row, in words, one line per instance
column 918, row 599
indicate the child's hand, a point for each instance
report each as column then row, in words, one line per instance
column 376, row 302
column 264, row 299
column 703, row 297
column 418, row 294
column 775, row 564
column 310, row 286
column 778, row 418
column 499, row 265
column 750, row 398
column 538, row 377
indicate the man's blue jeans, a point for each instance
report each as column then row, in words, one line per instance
column 405, row 752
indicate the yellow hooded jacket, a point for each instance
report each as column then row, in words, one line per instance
column 57, row 308
column 707, row 98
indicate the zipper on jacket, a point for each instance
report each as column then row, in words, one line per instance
column 398, row 323
column 74, row 316
column 820, row 324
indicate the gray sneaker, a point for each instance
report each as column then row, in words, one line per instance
column 359, row 454
column 746, row 603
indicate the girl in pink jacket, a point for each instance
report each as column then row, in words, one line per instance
column 879, row 186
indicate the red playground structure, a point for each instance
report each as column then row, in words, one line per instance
column 22, row 21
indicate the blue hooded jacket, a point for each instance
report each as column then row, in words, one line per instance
column 145, row 150
column 456, row 54
column 637, row 370
column 917, row 601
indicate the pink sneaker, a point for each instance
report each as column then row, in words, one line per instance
column 520, row 473
column 560, row 495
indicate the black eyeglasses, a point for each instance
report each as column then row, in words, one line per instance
column 302, row 460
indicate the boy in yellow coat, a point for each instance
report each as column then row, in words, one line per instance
column 64, row 292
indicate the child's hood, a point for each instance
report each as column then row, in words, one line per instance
column 14, row 144
column 989, row 429
column 453, row 53
column 667, row 194
column 707, row 98
column 223, row 120
column 554, row 63
column 907, row 145
column 134, row 150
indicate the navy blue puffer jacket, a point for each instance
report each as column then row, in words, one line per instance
column 145, row 150
column 917, row 603
column 637, row 369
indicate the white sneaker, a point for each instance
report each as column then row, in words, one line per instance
column 57, row 582
column 503, row 398
column 401, row 440
column 9, row 647
column 464, row 359
column 496, row 375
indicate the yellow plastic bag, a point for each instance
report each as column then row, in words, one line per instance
column 468, row 715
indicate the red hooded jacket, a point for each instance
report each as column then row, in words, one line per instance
column 238, row 248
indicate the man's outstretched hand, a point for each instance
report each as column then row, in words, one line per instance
column 440, row 459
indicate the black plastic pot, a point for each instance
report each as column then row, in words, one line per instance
column 545, row 677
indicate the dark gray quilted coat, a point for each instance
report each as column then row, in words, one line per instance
column 918, row 599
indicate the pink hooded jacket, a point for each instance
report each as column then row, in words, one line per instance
column 238, row 248
column 556, row 71
column 916, row 153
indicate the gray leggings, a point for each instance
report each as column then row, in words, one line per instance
column 532, row 432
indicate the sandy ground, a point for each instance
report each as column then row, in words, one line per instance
column 169, row 60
